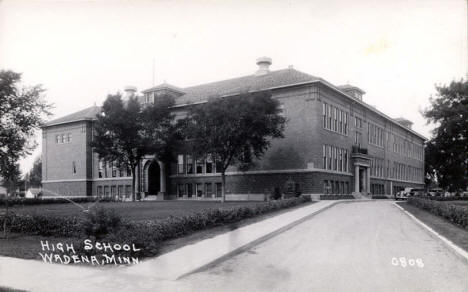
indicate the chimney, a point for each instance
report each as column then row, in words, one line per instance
column 130, row 91
column 263, row 66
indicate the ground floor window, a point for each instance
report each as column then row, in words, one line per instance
column 335, row 187
column 209, row 190
column 199, row 190
column 219, row 192
column 189, row 190
column 120, row 191
column 106, row 191
column 128, row 191
column 180, row 190
column 99, row 191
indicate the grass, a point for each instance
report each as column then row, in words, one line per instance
column 150, row 210
column 459, row 203
column 29, row 246
column 453, row 232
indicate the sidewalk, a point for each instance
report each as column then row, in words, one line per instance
column 153, row 273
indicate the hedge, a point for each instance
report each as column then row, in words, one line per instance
column 383, row 197
column 454, row 213
column 336, row 197
column 59, row 200
column 105, row 225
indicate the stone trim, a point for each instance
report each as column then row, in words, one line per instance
column 260, row 172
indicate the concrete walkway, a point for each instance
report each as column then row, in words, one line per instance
column 158, row 272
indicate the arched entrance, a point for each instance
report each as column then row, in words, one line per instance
column 152, row 178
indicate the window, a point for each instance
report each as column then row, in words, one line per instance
column 189, row 161
column 346, row 160
column 62, row 138
column 324, row 114
column 83, row 128
column 199, row 190
column 219, row 166
column 335, row 120
column 200, row 164
column 209, row 190
column 180, row 190
column 329, row 165
column 180, row 164
column 73, row 167
column 120, row 192
column 69, row 137
column 340, row 162
column 346, row 124
column 209, row 163
column 57, row 139
column 325, row 187
column 324, row 153
column 99, row 191
column 106, row 191
column 340, row 129
column 129, row 171
column 113, row 191
column 128, row 191
column 335, row 160
column 219, row 190
column 113, row 168
column 105, row 169
column 121, row 171
column 189, row 190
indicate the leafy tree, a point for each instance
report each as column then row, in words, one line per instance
column 34, row 176
column 11, row 174
column 126, row 131
column 447, row 150
column 234, row 130
column 21, row 113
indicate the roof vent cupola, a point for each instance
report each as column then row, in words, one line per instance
column 130, row 91
column 263, row 66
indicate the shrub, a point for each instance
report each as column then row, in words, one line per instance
column 101, row 221
column 453, row 213
column 58, row 200
column 379, row 197
column 43, row 225
column 105, row 225
column 336, row 197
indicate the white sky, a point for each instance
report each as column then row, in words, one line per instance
column 82, row 50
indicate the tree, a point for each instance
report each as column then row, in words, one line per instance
column 11, row 177
column 34, row 177
column 447, row 150
column 125, row 131
column 21, row 113
column 234, row 130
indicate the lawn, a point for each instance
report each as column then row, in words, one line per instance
column 28, row 246
column 154, row 210
column 451, row 231
column 459, row 203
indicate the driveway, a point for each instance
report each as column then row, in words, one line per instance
column 362, row 246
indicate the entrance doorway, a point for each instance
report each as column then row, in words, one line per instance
column 361, row 180
column 154, row 183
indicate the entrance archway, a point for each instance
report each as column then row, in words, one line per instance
column 153, row 178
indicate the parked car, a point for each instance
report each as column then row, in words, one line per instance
column 403, row 195
column 437, row 192
column 417, row 192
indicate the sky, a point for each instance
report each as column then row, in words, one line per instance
column 80, row 51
